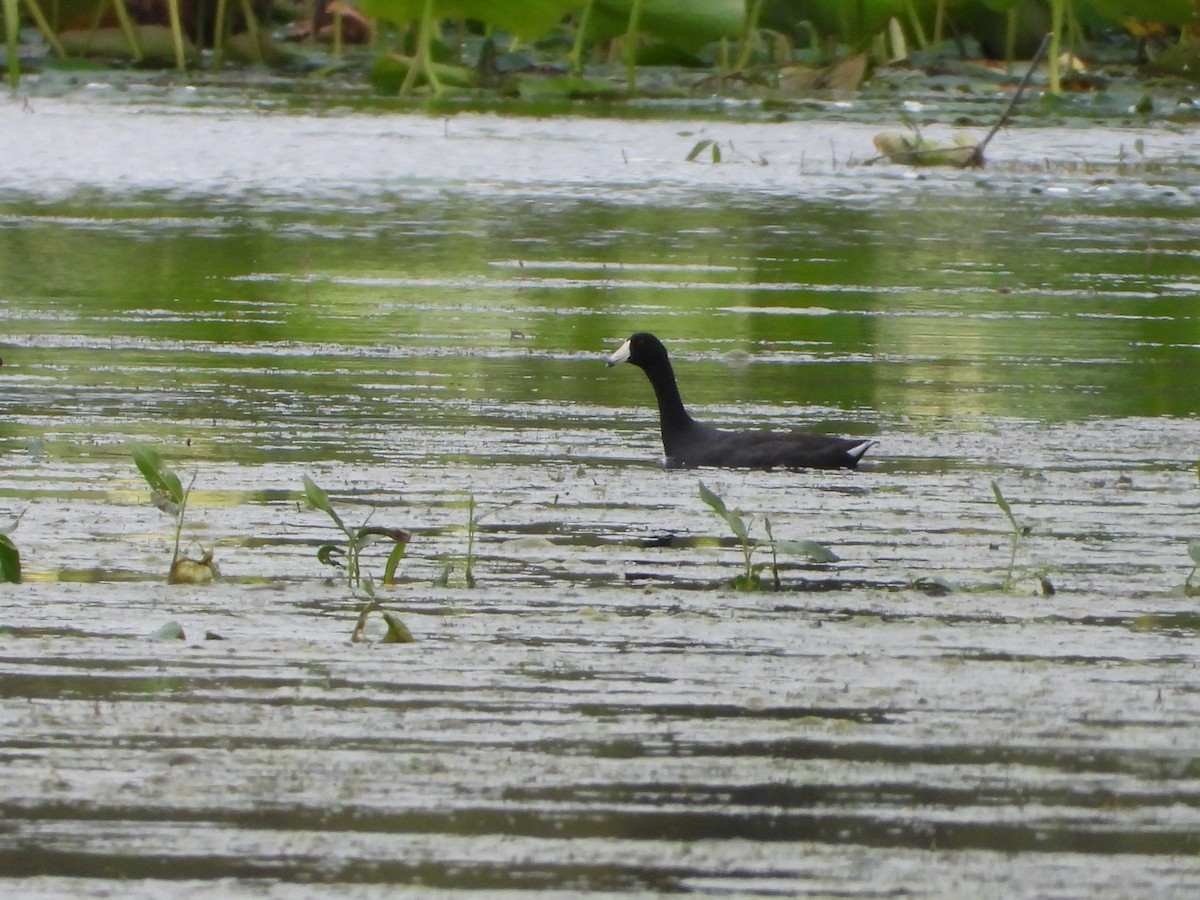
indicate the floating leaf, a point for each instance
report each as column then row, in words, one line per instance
column 161, row 477
column 10, row 561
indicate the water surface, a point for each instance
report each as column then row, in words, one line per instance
column 415, row 311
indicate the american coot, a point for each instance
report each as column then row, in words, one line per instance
column 689, row 443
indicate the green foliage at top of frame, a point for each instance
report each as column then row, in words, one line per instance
column 687, row 24
column 850, row 20
column 1168, row 12
column 527, row 19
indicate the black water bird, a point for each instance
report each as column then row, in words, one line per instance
column 689, row 444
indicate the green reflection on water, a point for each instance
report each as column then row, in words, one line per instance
column 974, row 306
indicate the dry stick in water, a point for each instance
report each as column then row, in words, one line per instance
column 976, row 159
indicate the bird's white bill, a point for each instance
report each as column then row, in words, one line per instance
column 622, row 355
column 857, row 452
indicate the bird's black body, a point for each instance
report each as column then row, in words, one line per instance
column 689, row 444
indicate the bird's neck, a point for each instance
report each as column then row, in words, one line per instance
column 672, row 414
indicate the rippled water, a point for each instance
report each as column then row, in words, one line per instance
column 415, row 312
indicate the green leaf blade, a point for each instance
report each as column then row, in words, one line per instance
column 397, row 631
column 158, row 474
column 699, row 148
column 318, row 499
column 1004, row 507
column 393, row 561
column 717, row 504
column 732, row 519
column 10, row 561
